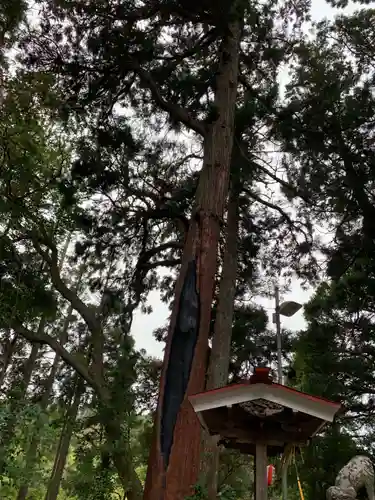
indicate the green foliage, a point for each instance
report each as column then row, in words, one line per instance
column 198, row 494
column 15, row 470
column 334, row 360
column 226, row 493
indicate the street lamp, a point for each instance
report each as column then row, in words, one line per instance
column 288, row 309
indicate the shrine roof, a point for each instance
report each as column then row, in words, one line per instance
column 260, row 386
column 246, row 388
column 259, row 409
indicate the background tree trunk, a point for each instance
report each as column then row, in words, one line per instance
column 33, row 448
column 7, row 357
column 123, row 461
column 220, row 353
column 64, row 443
column 17, row 396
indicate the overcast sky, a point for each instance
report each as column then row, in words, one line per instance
column 144, row 325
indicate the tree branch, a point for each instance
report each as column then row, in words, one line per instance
column 274, row 177
column 146, row 255
column 178, row 113
column 80, row 367
column 68, row 294
column 270, row 205
column 162, row 263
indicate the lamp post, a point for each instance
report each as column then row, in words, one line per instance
column 288, row 309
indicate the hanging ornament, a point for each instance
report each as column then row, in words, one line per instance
column 270, row 474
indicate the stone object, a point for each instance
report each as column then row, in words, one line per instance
column 358, row 473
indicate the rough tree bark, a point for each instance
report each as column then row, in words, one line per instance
column 173, row 469
column 218, row 369
column 220, row 353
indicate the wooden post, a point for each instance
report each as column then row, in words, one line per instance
column 261, row 471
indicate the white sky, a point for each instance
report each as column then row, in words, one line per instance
column 144, row 325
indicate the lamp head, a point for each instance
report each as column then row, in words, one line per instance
column 289, row 308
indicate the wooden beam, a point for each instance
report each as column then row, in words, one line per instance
column 261, row 471
column 275, row 436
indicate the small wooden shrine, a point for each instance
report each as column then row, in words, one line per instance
column 260, row 417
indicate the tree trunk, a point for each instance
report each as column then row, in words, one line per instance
column 175, row 454
column 220, row 353
column 123, row 461
column 33, row 448
column 17, row 396
column 94, row 377
column 64, row 444
column 7, row 357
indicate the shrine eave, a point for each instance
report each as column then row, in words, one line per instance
column 235, row 394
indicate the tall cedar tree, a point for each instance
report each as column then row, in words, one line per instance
column 182, row 59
